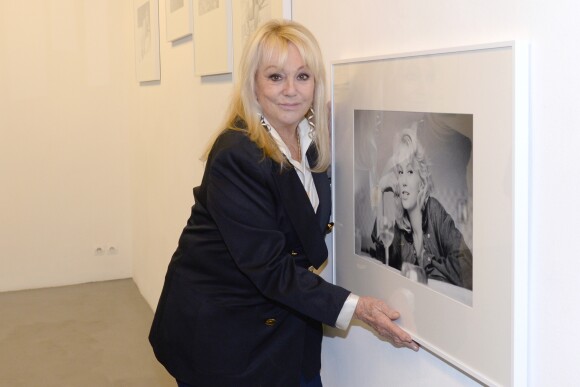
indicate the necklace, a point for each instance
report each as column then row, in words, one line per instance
column 299, row 145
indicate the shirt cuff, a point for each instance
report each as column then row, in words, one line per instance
column 347, row 311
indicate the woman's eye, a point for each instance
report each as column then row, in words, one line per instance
column 275, row 77
column 303, row 76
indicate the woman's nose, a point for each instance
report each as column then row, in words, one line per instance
column 289, row 87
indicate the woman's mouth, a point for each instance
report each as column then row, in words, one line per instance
column 289, row 106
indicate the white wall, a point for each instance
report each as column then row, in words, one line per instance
column 175, row 120
column 65, row 71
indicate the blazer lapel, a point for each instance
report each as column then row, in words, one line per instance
column 301, row 214
column 322, row 183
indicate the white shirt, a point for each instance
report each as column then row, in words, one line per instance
column 303, row 170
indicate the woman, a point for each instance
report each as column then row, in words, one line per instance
column 425, row 235
column 241, row 305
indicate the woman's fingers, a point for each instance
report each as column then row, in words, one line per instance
column 380, row 317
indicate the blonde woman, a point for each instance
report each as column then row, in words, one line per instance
column 241, row 304
column 425, row 236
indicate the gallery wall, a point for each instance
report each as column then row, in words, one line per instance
column 65, row 114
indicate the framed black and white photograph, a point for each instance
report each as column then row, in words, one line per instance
column 430, row 186
column 413, row 190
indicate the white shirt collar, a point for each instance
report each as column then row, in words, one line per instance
column 304, row 132
column 302, row 168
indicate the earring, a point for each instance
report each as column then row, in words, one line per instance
column 264, row 123
column 310, row 117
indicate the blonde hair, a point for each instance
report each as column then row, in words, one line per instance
column 408, row 149
column 272, row 40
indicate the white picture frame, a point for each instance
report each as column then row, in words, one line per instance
column 485, row 336
column 178, row 19
column 249, row 14
column 212, row 37
column 146, row 19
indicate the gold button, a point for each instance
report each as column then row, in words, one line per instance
column 329, row 227
column 270, row 322
column 293, row 253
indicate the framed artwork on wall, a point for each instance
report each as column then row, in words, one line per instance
column 430, row 186
column 212, row 37
column 146, row 18
column 178, row 19
column 249, row 14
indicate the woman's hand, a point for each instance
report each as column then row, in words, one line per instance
column 379, row 316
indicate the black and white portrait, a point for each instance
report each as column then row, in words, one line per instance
column 413, row 196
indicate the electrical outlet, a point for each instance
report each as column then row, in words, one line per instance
column 99, row 250
column 112, row 250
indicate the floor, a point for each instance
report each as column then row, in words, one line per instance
column 83, row 335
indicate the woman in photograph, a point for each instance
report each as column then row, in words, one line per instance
column 242, row 304
column 426, row 243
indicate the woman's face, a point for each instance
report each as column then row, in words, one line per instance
column 409, row 185
column 285, row 92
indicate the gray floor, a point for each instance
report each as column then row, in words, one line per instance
column 82, row 335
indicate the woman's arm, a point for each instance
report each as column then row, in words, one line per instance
column 451, row 258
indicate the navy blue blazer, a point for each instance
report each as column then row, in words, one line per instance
column 239, row 305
